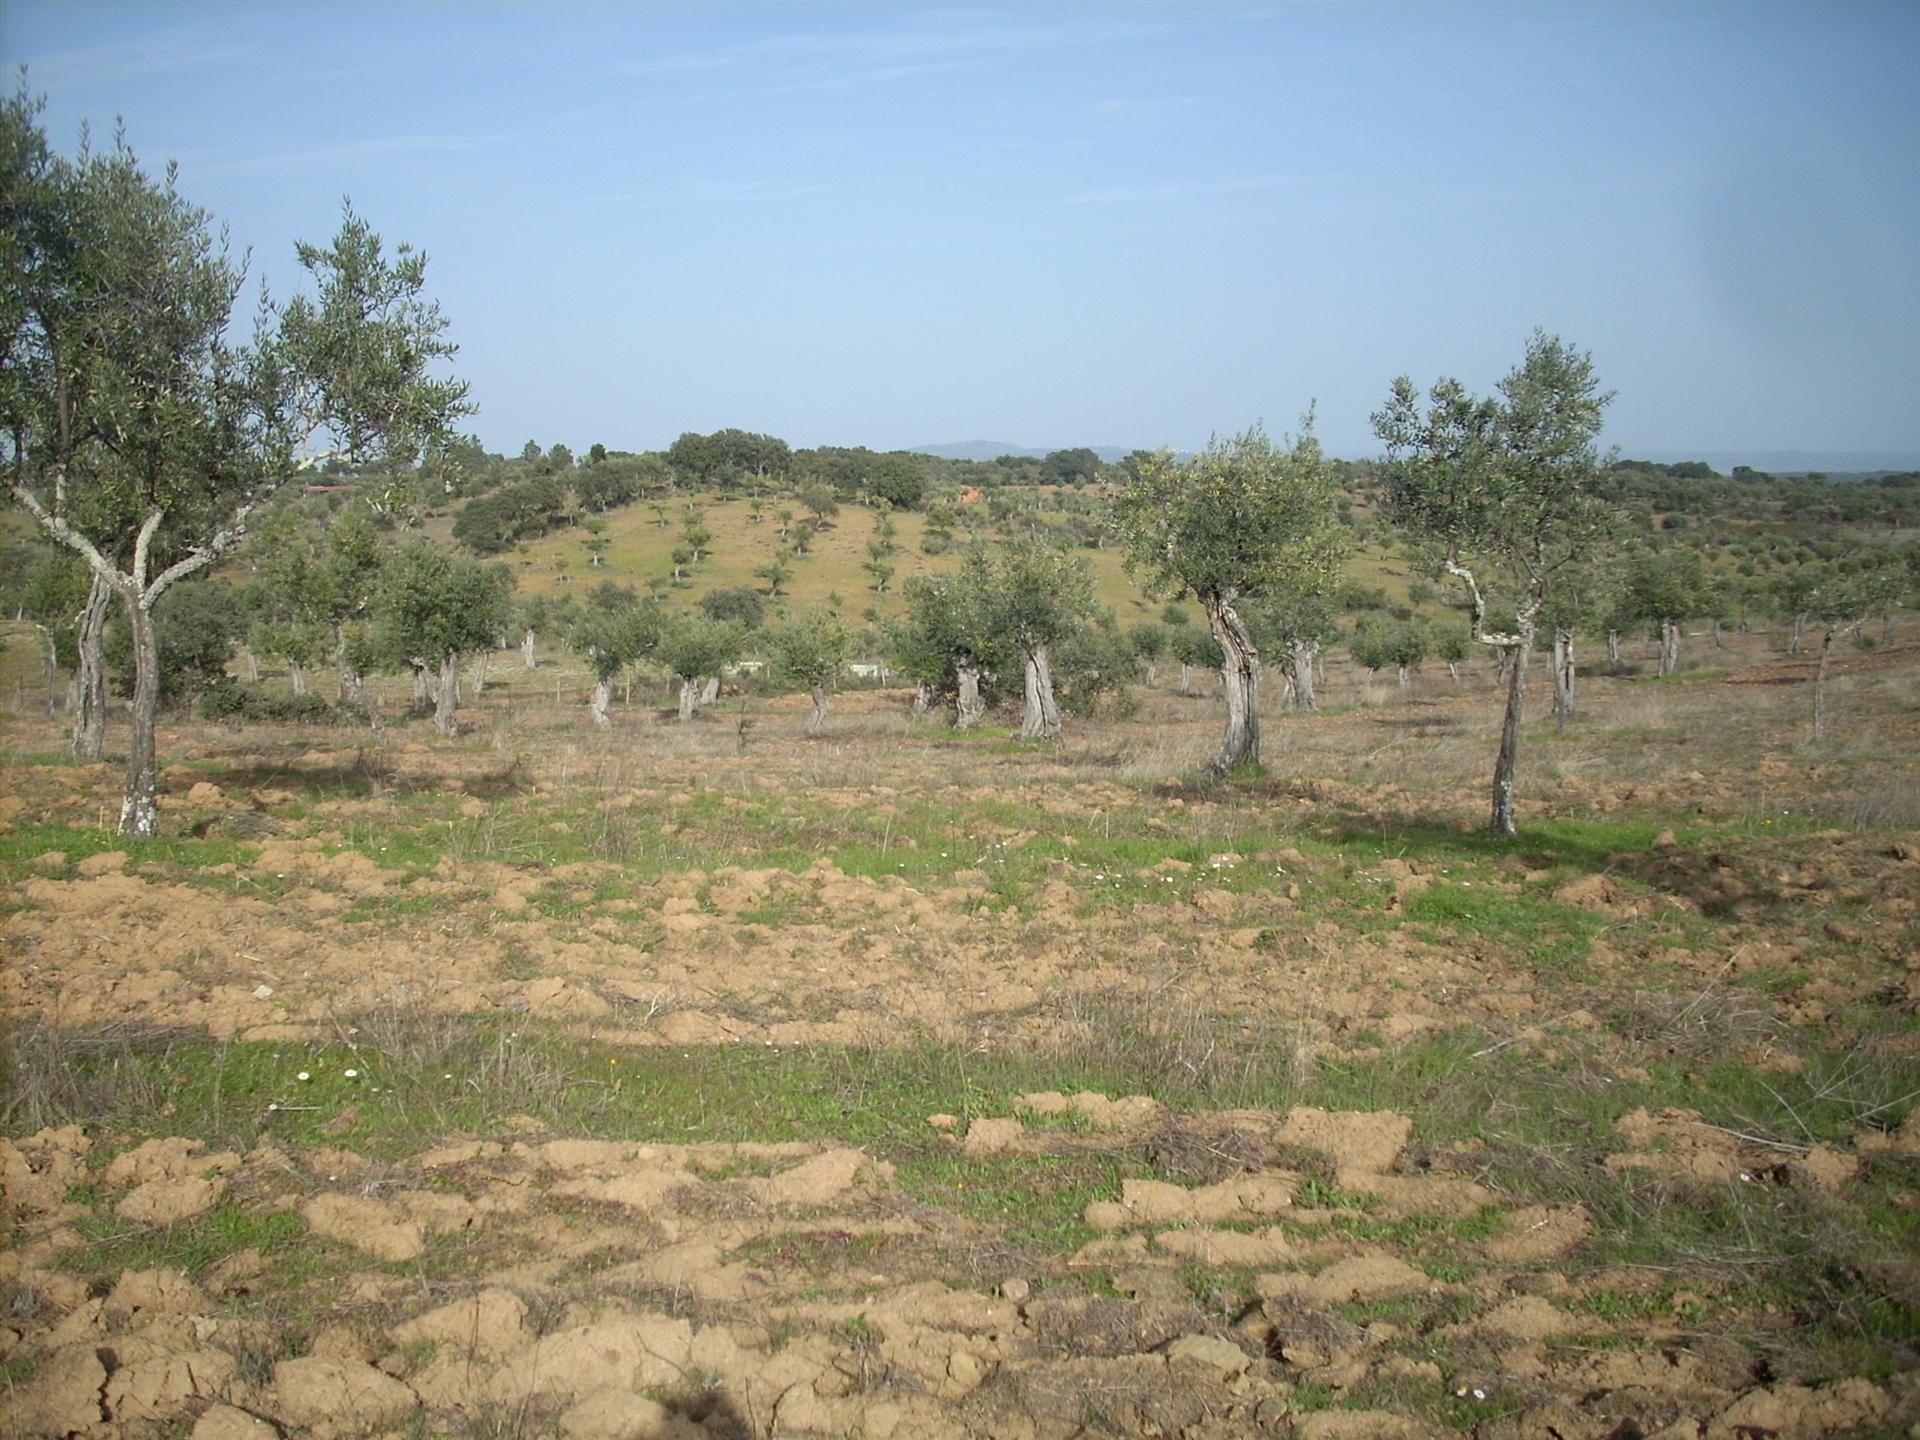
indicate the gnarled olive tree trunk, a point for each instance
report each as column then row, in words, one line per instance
column 1669, row 647
column 602, row 697
column 1503, row 766
column 90, row 676
column 139, row 810
column 447, row 694
column 819, row 713
column 354, row 690
column 925, row 696
column 1240, row 674
column 689, row 697
column 298, row 674
column 1042, row 718
column 968, row 708
column 1820, row 688
column 526, row 650
column 1304, row 652
column 1563, row 674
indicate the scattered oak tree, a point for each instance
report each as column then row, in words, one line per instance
column 1240, row 518
column 1505, row 485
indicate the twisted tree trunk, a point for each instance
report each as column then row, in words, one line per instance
column 968, row 708
column 1240, row 676
column 819, row 713
column 1304, row 652
column 355, row 691
column 447, row 696
column 1669, row 647
column 90, row 676
column 1042, row 718
column 1563, row 675
column 139, row 811
column 526, row 650
column 602, row 697
column 1503, row 767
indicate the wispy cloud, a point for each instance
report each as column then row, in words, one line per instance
column 704, row 191
column 882, row 74
column 880, row 55
column 377, row 147
column 1141, row 193
column 345, row 153
column 123, row 60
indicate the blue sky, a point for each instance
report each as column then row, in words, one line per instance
column 1057, row 225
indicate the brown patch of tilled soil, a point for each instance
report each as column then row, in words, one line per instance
column 530, row 1283
column 603, row 1288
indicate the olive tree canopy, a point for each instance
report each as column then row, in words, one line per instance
column 1243, row 518
column 134, row 429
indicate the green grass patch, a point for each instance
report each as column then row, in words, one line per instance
column 192, row 1245
column 1545, row 932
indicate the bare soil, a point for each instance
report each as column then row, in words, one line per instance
column 1708, row 891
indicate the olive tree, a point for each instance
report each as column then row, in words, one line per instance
column 809, row 650
column 1239, row 519
column 134, row 430
column 1036, row 597
column 697, row 649
column 1665, row 589
column 946, row 643
column 433, row 608
column 1195, row 648
column 1586, row 593
column 1503, row 491
column 613, row 630
column 1297, row 624
column 1840, row 604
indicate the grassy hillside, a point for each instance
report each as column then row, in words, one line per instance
column 641, row 549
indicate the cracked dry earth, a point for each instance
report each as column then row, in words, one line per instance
column 1327, row 1273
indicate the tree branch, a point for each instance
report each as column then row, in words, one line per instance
column 143, row 542
column 1496, row 640
column 222, row 540
column 60, row 530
